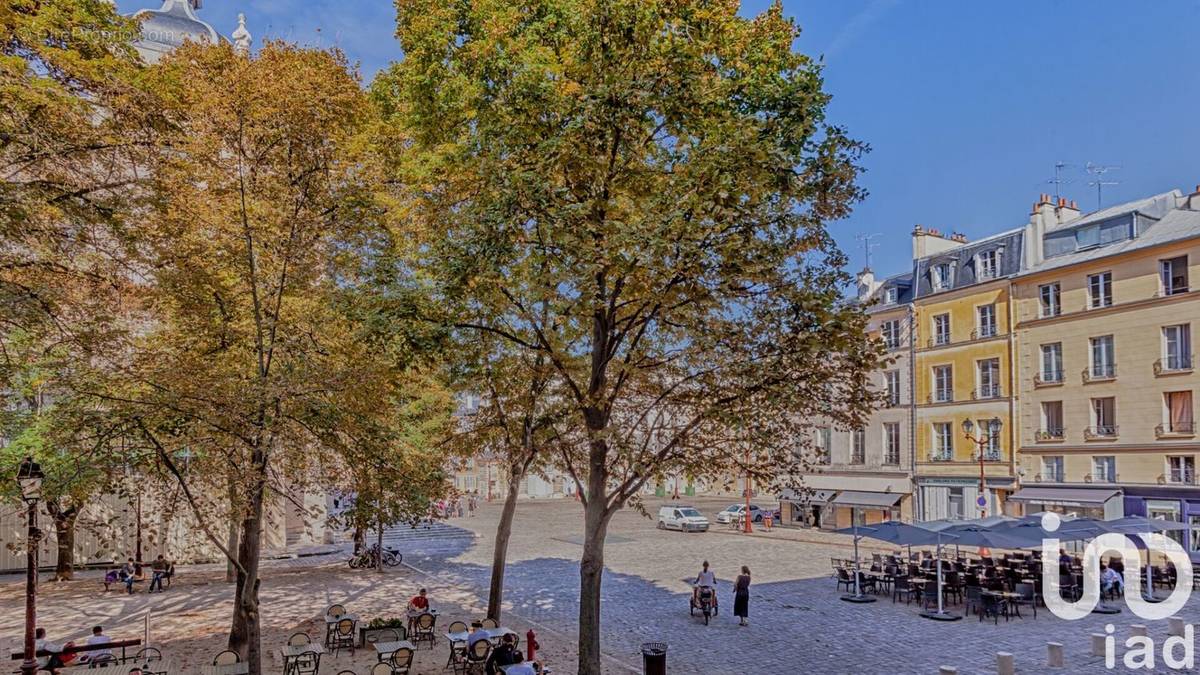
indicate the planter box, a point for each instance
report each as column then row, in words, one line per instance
column 368, row 636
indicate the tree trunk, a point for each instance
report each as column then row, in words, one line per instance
column 231, row 537
column 379, row 544
column 591, row 574
column 64, row 531
column 245, row 633
column 500, row 554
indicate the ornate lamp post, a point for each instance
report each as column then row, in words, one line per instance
column 29, row 479
column 983, row 440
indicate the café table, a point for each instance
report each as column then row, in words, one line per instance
column 386, row 649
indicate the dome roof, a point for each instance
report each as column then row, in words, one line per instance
column 169, row 26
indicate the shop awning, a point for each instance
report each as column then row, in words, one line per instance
column 814, row 497
column 872, row 500
column 1063, row 496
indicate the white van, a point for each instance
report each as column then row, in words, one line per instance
column 682, row 518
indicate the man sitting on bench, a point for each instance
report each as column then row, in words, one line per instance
column 53, row 662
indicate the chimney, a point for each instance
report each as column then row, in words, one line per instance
column 1193, row 200
column 1065, row 211
column 930, row 241
column 1043, row 216
column 866, row 284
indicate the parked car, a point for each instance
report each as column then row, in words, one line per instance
column 736, row 512
column 682, row 518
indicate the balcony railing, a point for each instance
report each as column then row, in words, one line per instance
column 1184, row 477
column 1173, row 365
column 940, row 456
column 891, row 460
column 938, row 340
column 1100, row 372
column 986, row 391
column 983, row 332
column 1050, row 434
column 1048, row 378
column 941, row 396
column 1051, row 477
column 988, row 456
column 1102, row 478
column 1101, row 432
column 1177, row 429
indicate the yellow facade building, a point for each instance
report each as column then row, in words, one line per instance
column 963, row 373
column 1105, row 310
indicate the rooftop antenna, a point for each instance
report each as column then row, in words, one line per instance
column 1098, row 170
column 867, row 245
column 1058, row 181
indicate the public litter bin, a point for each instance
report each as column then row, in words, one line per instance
column 654, row 658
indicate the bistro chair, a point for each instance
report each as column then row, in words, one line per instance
column 227, row 658
column 457, row 627
column 843, row 579
column 102, row 661
column 902, row 589
column 1028, row 596
column 972, row 598
column 299, row 640
column 489, row 623
column 423, row 629
column 477, row 655
column 336, row 611
column 402, row 660
column 343, row 636
column 148, row 654
column 383, row 635
column 952, row 585
column 381, row 668
column 993, row 606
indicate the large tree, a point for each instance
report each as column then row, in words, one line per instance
column 638, row 191
column 243, row 351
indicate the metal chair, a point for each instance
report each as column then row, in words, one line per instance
column 381, row 668
column 1027, row 595
column 490, row 623
column 227, row 658
column 477, row 655
column 457, row 627
column 402, row 660
column 423, row 629
column 336, row 611
column 148, row 654
column 102, row 660
column 343, row 636
column 383, row 635
column 299, row 640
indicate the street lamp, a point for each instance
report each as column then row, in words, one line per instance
column 29, row 480
column 987, row 436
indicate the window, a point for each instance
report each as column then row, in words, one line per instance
column 891, row 379
column 1052, row 469
column 891, row 333
column 1104, row 469
column 889, row 295
column 1194, row 522
column 1174, row 275
column 943, row 384
column 891, row 442
column 987, row 265
column 939, row 276
column 858, row 446
column 988, row 372
column 1052, row 420
column 943, row 442
column 941, row 329
column 1164, row 509
column 1104, row 416
column 1177, row 347
column 1050, row 299
column 991, row 446
column 1100, row 290
column 1103, row 363
column 824, row 445
column 1178, row 412
column 1052, row 365
column 986, row 316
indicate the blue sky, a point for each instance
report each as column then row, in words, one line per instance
column 967, row 105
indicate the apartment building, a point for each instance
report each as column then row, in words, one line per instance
column 962, row 365
column 865, row 475
column 1105, row 312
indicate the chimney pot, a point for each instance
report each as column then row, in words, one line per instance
column 1074, row 205
column 1062, row 201
column 1197, row 190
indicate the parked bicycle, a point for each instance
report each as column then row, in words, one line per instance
column 369, row 558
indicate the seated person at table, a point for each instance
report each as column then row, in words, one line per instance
column 52, row 662
column 98, row 638
column 1117, row 564
column 1110, row 579
column 419, row 603
column 504, row 655
column 477, row 634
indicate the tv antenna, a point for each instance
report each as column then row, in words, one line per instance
column 1098, row 170
column 1058, row 181
column 867, row 245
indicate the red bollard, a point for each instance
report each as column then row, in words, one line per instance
column 531, row 645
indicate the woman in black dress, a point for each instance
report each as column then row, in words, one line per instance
column 741, row 596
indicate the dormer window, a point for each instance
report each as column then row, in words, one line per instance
column 939, row 276
column 987, row 264
column 889, row 295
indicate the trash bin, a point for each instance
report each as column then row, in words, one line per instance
column 654, row 658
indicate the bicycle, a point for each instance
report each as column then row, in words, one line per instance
column 369, row 558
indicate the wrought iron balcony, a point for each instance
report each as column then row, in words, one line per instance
column 1173, row 365
column 1048, row 378
column 938, row 340
column 1101, row 432
column 1044, row 435
column 983, row 332
column 988, row 456
column 986, row 391
column 1184, row 477
column 1100, row 372
column 1102, row 478
column 939, row 456
column 1176, row 429
column 940, row 396
column 1048, row 478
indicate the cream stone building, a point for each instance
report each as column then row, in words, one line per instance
column 1105, row 313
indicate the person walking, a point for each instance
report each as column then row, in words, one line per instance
column 741, row 596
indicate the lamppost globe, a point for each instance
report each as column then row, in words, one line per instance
column 994, row 425
column 29, row 479
column 968, row 427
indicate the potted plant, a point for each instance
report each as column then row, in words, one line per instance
column 369, row 634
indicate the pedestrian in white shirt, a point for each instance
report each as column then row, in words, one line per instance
column 705, row 578
column 98, row 638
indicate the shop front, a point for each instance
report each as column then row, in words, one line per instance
column 806, row 508
column 953, row 498
column 852, row 507
column 1173, row 504
column 1101, row 503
